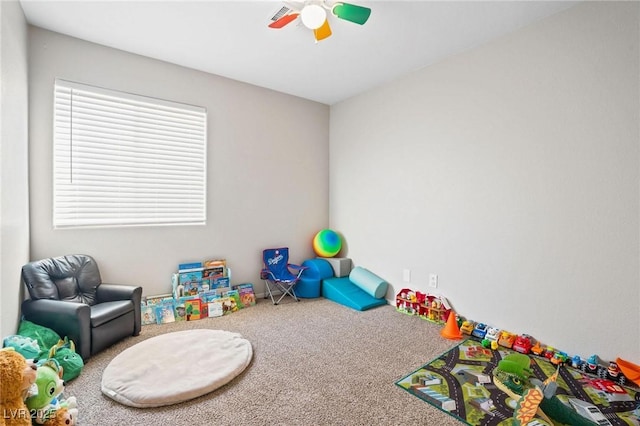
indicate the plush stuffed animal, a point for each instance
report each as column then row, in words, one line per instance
column 17, row 375
column 63, row 417
column 45, row 337
column 50, row 345
column 70, row 361
column 43, row 405
column 25, row 346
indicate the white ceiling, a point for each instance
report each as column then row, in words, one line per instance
column 231, row 38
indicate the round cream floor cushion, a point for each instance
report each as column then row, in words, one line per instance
column 175, row 367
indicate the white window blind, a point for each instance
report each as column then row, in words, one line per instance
column 123, row 159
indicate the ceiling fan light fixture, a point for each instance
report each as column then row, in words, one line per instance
column 313, row 16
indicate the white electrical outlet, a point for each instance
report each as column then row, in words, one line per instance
column 433, row 280
column 406, row 275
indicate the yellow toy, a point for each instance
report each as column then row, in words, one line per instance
column 17, row 375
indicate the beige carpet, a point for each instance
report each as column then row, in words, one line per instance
column 314, row 363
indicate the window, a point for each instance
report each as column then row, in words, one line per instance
column 121, row 159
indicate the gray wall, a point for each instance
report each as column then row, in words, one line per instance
column 267, row 167
column 511, row 171
column 14, row 195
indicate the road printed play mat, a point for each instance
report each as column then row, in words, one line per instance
column 461, row 383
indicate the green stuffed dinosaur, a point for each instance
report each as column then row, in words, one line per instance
column 50, row 345
column 25, row 346
column 71, row 362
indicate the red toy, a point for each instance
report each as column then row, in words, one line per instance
column 523, row 344
column 426, row 306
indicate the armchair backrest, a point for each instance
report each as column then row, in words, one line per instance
column 72, row 278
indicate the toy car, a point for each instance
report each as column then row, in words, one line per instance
column 492, row 334
column 467, row 327
column 591, row 365
column 576, row 361
column 479, row 331
column 522, row 344
column 507, row 339
column 537, row 349
column 548, row 352
column 559, row 358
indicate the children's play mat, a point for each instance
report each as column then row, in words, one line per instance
column 461, row 382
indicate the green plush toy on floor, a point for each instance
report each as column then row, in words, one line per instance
column 25, row 346
column 65, row 353
column 44, row 404
column 36, row 342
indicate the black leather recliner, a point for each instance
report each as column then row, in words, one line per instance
column 68, row 296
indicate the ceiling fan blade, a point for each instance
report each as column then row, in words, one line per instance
column 284, row 20
column 323, row 32
column 352, row 13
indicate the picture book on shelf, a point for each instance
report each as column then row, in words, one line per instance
column 189, row 267
column 235, row 298
column 215, row 268
column 193, row 309
column 208, row 296
column 165, row 313
column 247, row 295
column 148, row 314
column 180, row 312
column 158, row 298
column 215, row 308
column 189, row 282
column 220, row 285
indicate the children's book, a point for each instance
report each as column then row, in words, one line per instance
column 191, row 282
column 235, row 297
column 193, row 309
column 215, row 268
column 185, row 298
column 221, row 285
column 188, row 267
column 229, row 305
column 148, row 313
column 247, row 295
column 165, row 313
column 158, row 298
column 208, row 296
column 180, row 312
column 215, row 308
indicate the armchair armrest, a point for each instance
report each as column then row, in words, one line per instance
column 69, row 319
column 113, row 292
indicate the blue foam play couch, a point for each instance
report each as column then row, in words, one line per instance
column 352, row 294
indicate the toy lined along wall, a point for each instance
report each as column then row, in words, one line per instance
column 426, row 306
column 437, row 309
column 516, row 185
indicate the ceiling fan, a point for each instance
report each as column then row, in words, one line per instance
column 313, row 14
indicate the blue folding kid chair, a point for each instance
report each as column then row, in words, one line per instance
column 277, row 273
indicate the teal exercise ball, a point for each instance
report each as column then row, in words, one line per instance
column 327, row 243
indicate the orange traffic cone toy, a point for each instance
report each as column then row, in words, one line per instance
column 451, row 329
